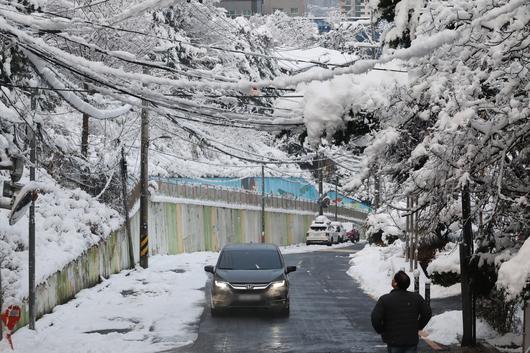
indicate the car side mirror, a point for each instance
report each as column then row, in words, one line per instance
column 290, row 269
column 209, row 268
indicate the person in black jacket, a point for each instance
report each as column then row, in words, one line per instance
column 399, row 315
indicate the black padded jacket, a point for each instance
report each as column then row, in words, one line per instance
column 399, row 315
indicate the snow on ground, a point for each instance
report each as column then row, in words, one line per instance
column 301, row 248
column 509, row 342
column 133, row 311
column 373, row 267
column 447, row 328
column 136, row 311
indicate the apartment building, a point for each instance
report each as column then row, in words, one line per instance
column 251, row 7
column 290, row 7
column 242, row 7
column 354, row 8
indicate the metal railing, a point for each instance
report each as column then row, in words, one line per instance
column 245, row 197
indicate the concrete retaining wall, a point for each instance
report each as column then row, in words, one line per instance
column 174, row 227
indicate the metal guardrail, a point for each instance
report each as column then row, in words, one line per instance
column 241, row 197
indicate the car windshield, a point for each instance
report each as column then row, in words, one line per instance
column 318, row 228
column 238, row 259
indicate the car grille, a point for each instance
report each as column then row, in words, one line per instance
column 249, row 286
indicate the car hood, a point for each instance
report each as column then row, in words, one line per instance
column 249, row 276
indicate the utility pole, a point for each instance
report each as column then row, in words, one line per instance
column 126, row 206
column 31, row 250
column 144, row 184
column 84, row 131
column 1, row 300
column 336, row 196
column 376, row 191
column 320, row 186
column 416, row 235
column 411, row 227
column 377, row 186
column 263, row 203
column 466, row 251
column 407, row 230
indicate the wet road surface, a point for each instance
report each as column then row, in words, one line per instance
column 329, row 313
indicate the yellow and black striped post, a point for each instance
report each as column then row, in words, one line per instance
column 144, row 184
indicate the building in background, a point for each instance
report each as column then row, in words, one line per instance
column 251, row 7
column 321, row 8
column 354, row 8
column 237, row 8
column 290, row 7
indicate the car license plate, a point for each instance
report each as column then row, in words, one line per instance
column 249, row 297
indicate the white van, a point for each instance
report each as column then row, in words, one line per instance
column 322, row 232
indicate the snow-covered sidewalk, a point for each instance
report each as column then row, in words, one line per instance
column 135, row 311
column 373, row 268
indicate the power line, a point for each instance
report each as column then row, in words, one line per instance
column 204, row 46
column 156, row 103
column 180, row 95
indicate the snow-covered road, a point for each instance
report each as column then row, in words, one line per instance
column 136, row 311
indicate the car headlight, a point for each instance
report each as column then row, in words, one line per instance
column 221, row 284
column 279, row 284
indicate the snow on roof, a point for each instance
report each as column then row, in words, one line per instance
column 316, row 54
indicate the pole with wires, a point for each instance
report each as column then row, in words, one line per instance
column 320, row 187
column 263, row 203
column 336, row 196
column 144, row 184
column 31, row 243
column 123, row 165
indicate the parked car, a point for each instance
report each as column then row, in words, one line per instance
column 322, row 232
column 353, row 235
column 250, row 276
column 341, row 233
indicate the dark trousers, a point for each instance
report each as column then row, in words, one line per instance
column 402, row 349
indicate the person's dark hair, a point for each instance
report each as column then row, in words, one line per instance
column 402, row 280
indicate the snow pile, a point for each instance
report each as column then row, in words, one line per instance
column 374, row 267
column 507, row 343
column 514, row 274
column 67, row 223
column 134, row 311
column 389, row 223
column 446, row 262
column 447, row 328
column 302, row 248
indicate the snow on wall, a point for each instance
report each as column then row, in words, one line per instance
column 67, row 223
